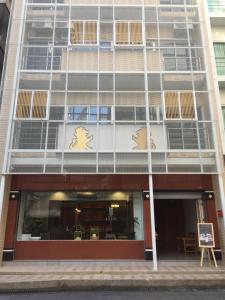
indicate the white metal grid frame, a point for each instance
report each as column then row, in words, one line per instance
column 117, row 76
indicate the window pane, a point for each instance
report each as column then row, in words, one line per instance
column 223, row 111
column 93, row 113
column 104, row 113
column 140, row 114
column 78, row 113
column 124, row 113
column 56, row 113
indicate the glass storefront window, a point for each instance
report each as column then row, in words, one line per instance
column 81, row 216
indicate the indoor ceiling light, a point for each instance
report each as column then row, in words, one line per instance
column 115, row 205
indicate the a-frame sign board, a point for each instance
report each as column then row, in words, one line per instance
column 206, row 241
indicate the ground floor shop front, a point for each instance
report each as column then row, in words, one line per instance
column 106, row 216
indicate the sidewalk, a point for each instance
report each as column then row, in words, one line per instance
column 64, row 275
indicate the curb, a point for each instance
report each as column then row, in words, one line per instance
column 103, row 284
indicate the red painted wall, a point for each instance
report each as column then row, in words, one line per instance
column 212, row 218
column 11, row 224
column 110, row 182
column 80, row 250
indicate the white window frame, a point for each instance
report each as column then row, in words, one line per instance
column 83, row 34
column 88, row 120
column 31, row 105
column 179, row 103
column 129, row 43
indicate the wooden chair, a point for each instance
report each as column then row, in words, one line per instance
column 190, row 244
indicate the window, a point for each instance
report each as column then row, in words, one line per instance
column 219, row 49
column 127, row 113
column 128, row 33
column 30, row 135
column 223, row 112
column 182, row 136
column 37, row 58
column 32, row 104
column 89, row 113
column 77, row 215
column 179, row 105
column 77, row 113
column 83, row 32
column 105, row 113
column 56, row 113
column 176, row 59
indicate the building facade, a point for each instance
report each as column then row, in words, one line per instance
column 4, row 19
column 111, row 147
column 217, row 14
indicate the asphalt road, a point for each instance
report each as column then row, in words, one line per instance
column 178, row 294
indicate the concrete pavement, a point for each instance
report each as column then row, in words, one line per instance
column 84, row 275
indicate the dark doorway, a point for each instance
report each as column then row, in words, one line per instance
column 174, row 218
column 169, row 216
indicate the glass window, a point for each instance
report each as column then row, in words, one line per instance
column 31, row 104
column 219, row 49
column 93, row 113
column 83, row 32
column 29, row 135
column 128, row 33
column 56, row 113
column 83, row 215
column 179, row 105
column 124, row 113
column 140, row 114
column 77, row 113
column 104, row 113
column 223, row 112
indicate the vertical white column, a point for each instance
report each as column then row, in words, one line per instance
column 152, row 215
column 2, row 190
column 222, row 195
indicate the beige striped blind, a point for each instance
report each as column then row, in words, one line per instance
column 172, row 106
column 90, row 33
column 187, row 106
column 23, row 104
column 135, row 33
column 39, row 105
column 154, row 100
column 76, row 33
column 122, row 33
column 83, row 32
column 128, row 33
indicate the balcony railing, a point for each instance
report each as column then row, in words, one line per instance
column 187, row 138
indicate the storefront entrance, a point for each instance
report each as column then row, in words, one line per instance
column 176, row 228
